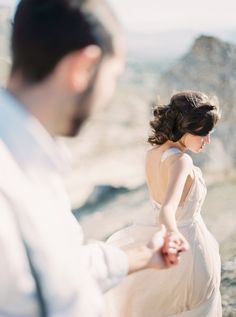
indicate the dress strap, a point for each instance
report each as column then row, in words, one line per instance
column 169, row 152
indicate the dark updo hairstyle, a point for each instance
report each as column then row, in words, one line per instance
column 188, row 112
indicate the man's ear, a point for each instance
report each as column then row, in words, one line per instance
column 77, row 68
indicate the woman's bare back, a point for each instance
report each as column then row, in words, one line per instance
column 157, row 174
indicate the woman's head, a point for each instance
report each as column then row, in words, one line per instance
column 189, row 118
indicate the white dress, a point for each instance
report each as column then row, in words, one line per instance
column 190, row 289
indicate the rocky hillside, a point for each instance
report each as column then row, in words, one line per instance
column 209, row 66
column 228, row 288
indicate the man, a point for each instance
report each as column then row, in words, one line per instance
column 62, row 54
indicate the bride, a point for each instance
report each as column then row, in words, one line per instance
column 177, row 191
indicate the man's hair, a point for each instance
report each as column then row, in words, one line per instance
column 44, row 31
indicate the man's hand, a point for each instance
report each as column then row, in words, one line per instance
column 156, row 245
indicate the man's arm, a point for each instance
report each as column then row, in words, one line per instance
column 66, row 280
column 109, row 264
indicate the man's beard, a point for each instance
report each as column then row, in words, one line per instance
column 76, row 126
column 84, row 103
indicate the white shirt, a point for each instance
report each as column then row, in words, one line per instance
column 33, row 201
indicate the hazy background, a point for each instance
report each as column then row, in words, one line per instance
column 171, row 45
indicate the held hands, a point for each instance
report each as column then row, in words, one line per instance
column 166, row 247
column 175, row 243
column 161, row 252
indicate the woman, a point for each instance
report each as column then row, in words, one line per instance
column 177, row 191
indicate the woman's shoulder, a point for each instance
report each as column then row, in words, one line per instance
column 169, row 156
column 180, row 161
column 183, row 157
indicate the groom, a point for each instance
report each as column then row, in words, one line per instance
column 66, row 56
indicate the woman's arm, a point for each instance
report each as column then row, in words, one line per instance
column 178, row 171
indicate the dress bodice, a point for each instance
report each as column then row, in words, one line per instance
column 190, row 209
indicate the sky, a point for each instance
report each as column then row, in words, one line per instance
column 163, row 15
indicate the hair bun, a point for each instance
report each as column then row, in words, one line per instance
column 188, row 112
column 163, row 124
